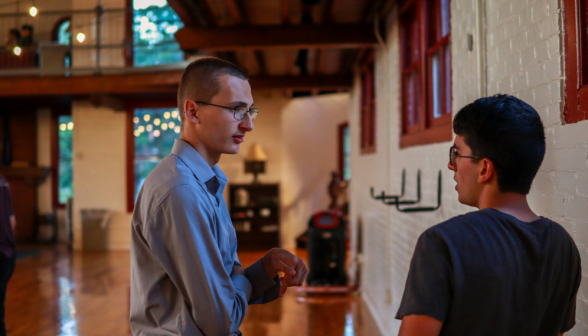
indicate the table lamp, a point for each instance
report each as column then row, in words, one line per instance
column 255, row 161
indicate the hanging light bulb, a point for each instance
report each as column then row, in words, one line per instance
column 70, row 126
column 141, row 129
column 166, row 115
column 164, row 126
column 156, row 133
column 33, row 11
column 81, row 37
column 17, row 51
column 149, row 128
column 137, row 133
column 174, row 114
column 146, row 117
column 172, row 124
column 156, row 121
column 136, row 120
column 177, row 129
column 62, row 127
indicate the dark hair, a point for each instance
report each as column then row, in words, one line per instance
column 201, row 80
column 15, row 32
column 27, row 27
column 507, row 131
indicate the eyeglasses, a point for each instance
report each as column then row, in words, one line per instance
column 454, row 155
column 239, row 112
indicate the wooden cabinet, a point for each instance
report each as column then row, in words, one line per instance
column 255, row 212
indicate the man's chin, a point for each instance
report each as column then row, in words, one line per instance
column 234, row 149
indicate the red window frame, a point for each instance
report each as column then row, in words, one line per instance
column 576, row 61
column 368, row 103
column 421, row 38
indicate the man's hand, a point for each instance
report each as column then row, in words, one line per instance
column 294, row 269
column 237, row 270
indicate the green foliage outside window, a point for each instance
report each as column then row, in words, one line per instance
column 154, row 26
column 65, row 174
column 155, row 130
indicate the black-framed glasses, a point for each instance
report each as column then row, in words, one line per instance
column 454, row 155
column 239, row 112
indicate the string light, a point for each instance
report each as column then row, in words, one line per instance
column 141, row 129
column 62, row 127
column 164, row 127
column 17, row 51
column 166, row 115
column 136, row 120
column 33, row 11
column 149, row 128
column 147, row 117
column 81, row 37
column 157, row 121
column 70, row 126
column 172, row 124
column 174, row 114
column 137, row 133
column 156, row 133
column 177, row 129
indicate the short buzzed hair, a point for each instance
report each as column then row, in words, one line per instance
column 201, row 81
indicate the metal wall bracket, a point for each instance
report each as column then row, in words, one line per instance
column 397, row 201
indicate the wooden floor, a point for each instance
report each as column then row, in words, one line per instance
column 58, row 293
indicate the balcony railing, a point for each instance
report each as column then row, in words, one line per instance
column 98, row 40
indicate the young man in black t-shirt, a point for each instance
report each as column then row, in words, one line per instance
column 501, row 270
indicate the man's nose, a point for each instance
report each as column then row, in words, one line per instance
column 246, row 124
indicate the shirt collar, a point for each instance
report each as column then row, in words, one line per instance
column 200, row 167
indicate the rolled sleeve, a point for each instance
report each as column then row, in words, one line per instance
column 264, row 288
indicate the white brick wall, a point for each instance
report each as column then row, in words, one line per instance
column 518, row 52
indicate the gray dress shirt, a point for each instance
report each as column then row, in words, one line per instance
column 183, row 251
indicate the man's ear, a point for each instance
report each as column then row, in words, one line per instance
column 486, row 171
column 192, row 111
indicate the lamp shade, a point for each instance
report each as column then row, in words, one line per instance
column 256, row 153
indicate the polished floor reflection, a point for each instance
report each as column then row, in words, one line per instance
column 58, row 293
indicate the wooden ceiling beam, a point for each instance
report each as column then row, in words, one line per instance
column 238, row 15
column 156, row 82
column 277, row 37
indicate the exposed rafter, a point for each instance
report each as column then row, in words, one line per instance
column 238, row 15
column 155, row 82
column 277, row 37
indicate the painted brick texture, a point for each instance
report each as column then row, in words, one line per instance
column 517, row 50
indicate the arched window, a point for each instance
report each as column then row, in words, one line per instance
column 64, row 33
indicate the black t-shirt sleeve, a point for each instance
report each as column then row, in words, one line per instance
column 429, row 286
column 570, row 314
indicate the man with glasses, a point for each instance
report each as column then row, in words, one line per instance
column 501, row 270
column 186, row 278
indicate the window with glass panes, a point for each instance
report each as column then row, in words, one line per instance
column 425, row 54
column 154, row 130
column 65, row 162
column 154, row 26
